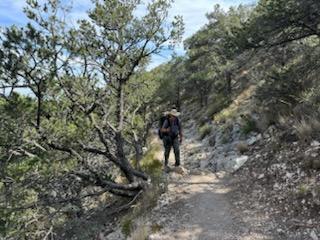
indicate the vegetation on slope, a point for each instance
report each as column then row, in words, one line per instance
column 94, row 103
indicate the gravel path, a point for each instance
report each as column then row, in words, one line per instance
column 197, row 203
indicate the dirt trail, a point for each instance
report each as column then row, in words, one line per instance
column 197, row 204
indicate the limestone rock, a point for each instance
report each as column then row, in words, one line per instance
column 252, row 140
column 313, row 235
column 315, row 144
column 239, row 162
column 180, row 170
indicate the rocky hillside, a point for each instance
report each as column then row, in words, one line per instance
column 237, row 182
column 274, row 172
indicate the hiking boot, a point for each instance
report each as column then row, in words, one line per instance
column 166, row 169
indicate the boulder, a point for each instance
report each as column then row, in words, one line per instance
column 252, row 140
column 180, row 170
column 315, row 144
column 313, row 235
column 239, row 162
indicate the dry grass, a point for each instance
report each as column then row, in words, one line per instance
column 205, row 130
column 141, row 232
column 132, row 225
column 156, row 228
column 235, row 107
column 242, row 147
column 284, row 121
column 305, row 129
column 315, row 124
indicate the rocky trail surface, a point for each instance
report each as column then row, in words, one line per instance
column 220, row 193
column 197, row 204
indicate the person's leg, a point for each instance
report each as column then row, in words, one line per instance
column 176, row 149
column 167, row 149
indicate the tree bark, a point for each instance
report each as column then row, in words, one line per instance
column 120, row 105
column 125, row 166
column 39, row 99
column 138, row 153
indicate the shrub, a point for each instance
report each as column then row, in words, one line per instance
column 307, row 129
column 156, row 228
column 218, row 103
column 304, row 129
column 150, row 164
column 140, row 233
column 302, row 190
column 153, row 168
column 242, row 147
column 225, row 139
column 249, row 125
column 205, row 130
column 127, row 226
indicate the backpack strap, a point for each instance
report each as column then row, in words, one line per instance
column 178, row 123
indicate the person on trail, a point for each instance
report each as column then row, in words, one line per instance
column 172, row 137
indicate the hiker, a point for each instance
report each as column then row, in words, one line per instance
column 172, row 137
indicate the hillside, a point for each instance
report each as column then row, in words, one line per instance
column 80, row 157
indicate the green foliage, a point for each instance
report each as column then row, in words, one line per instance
column 93, row 102
column 102, row 107
column 303, row 190
column 127, row 226
column 272, row 20
column 205, row 130
column 249, row 125
column 217, row 104
column 210, row 52
column 225, row 139
column 151, row 164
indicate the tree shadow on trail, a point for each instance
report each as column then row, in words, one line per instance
column 90, row 223
column 205, row 212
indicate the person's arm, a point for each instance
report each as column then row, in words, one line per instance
column 180, row 132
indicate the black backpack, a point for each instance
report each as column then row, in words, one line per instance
column 161, row 122
column 175, row 128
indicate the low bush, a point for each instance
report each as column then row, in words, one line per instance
column 242, row 147
column 141, row 232
column 150, row 164
column 249, row 125
column 218, row 103
column 127, row 226
column 205, row 130
column 307, row 129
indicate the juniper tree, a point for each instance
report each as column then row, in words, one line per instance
column 81, row 75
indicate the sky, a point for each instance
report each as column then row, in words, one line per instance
column 192, row 11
